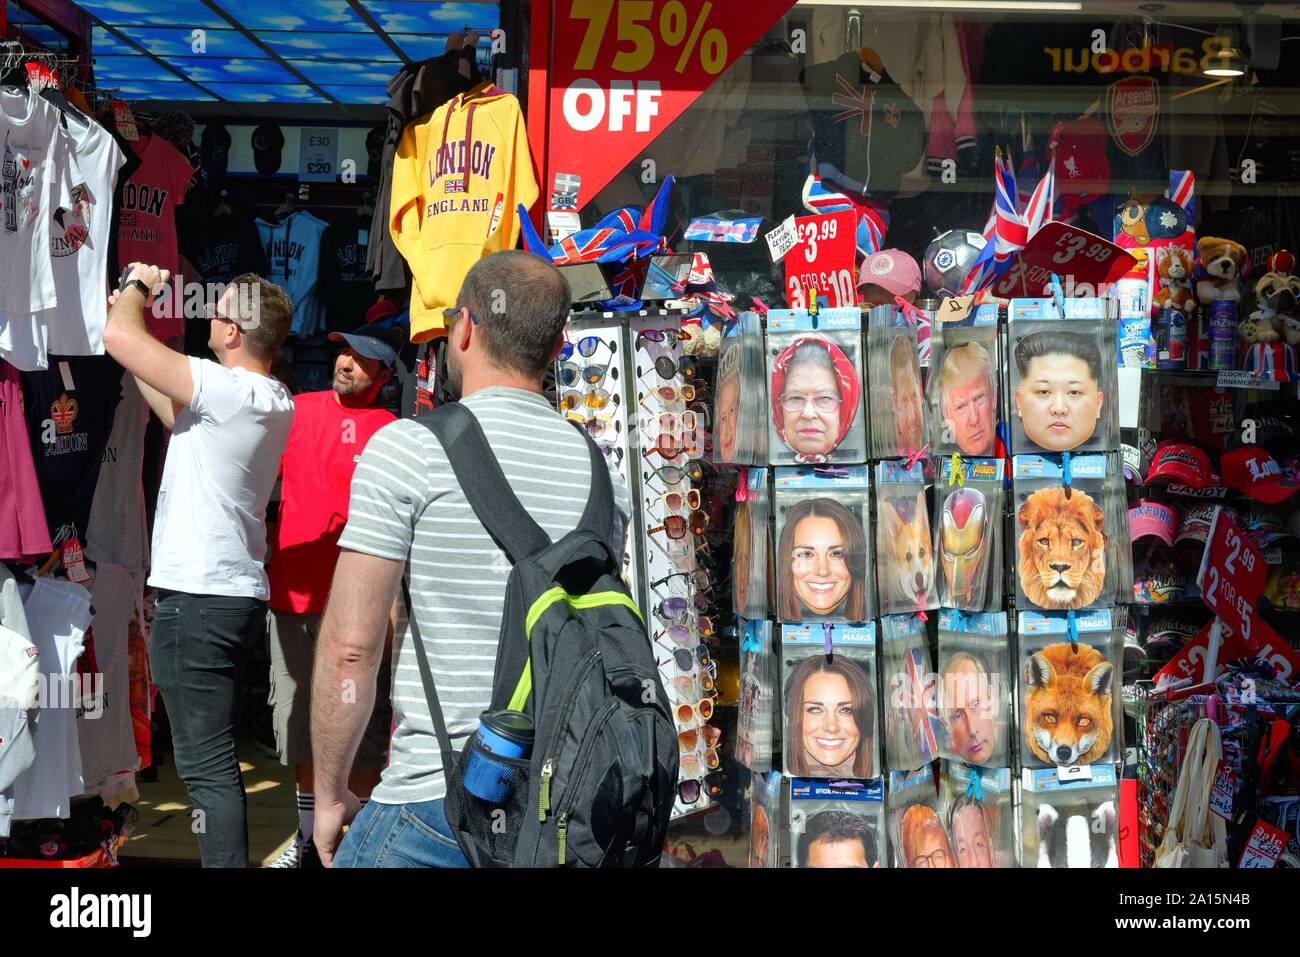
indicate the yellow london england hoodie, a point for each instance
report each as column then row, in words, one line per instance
column 459, row 176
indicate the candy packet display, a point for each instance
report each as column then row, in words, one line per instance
column 837, row 823
column 1062, row 536
column 751, row 547
column 815, row 387
column 968, row 534
column 898, row 410
column 1063, row 375
column 740, row 396
column 905, row 566
column 758, row 717
column 823, row 549
column 1069, row 680
column 1070, row 822
column 964, row 391
column 975, row 687
column 912, row 728
column 977, row 810
column 829, row 701
column 917, row 834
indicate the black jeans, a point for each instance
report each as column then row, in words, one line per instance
column 195, row 649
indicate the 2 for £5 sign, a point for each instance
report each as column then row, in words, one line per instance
column 623, row 70
column 1232, row 577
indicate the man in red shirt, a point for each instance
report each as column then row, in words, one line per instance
column 330, row 430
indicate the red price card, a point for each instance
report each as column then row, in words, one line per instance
column 1077, row 254
column 1264, row 847
column 1232, row 576
column 822, row 261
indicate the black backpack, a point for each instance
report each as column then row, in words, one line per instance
column 573, row 654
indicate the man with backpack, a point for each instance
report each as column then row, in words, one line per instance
column 466, row 651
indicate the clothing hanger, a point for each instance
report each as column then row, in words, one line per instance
column 223, row 205
column 288, row 207
column 366, row 210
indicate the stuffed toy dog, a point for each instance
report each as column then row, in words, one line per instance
column 1173, row 278
column 1223, row 261
column 1276, row 297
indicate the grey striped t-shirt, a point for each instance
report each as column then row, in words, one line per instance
column 406, row 502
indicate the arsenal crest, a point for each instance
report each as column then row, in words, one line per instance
column 1132, row 108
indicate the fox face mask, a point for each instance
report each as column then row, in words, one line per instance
column 1068, row 714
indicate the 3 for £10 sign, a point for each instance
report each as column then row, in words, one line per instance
column 821, row 265
column 1232, row 577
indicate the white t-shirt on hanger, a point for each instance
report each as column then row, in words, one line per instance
column 80, row 237
column 38, row 170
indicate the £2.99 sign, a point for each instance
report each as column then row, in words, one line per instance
column 821, row 265
column 1231, row 577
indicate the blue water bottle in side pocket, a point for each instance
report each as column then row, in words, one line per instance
column 501, row 734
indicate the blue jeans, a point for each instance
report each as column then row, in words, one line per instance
column 195, row 649
column 400, row 835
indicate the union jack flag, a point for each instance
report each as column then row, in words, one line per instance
column 820, row 196
column 584, row 246
column 1182, row 190
column 922, row 716
column 1038, row 211
column 1007, row 231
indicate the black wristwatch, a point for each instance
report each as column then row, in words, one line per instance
column 139, row 284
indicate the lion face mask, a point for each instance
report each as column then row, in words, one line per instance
column 963, row 546
column 1062, row 549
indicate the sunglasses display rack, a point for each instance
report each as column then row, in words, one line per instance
column 625, row 377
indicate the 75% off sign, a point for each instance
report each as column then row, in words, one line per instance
column 630, row 68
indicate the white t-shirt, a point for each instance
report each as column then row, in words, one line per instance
column 209, row 534
column 79, row 243
column 38, row 170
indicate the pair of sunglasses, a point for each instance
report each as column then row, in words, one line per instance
column 679, row 501
column 677, row 421
column 571, row 374
column 595, row 399
column 670, row 368
column 690, row 740
column 676, row 526
column 702, row 709
column 700, row 577
column 586, row 347
column 669, row 393
column 675, row 474
column 690, row 791
column 659, row 335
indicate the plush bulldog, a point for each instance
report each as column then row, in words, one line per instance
column 1223, row 262
column 1277, row 296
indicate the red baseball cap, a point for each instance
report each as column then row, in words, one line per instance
column 1180, row 462
column 383, row 309
column 1251, row 470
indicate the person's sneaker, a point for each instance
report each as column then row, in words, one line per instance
column 292, row 856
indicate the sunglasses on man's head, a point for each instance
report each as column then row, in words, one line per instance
column 450, row 315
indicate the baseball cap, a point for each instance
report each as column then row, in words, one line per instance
column 1149, row 517
column 1167, row 628
column 268, row 142
column 1197, row 522
column 1157, row 581
column 1180, row 462
column 214, row 149
column 1263, row 528
column 381, row 343
column 892, row 270
column 383, row 309
column 1271, row 433
column 1252, row 470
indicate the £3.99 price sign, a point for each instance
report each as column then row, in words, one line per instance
column 1232, row 576
column 822, row 263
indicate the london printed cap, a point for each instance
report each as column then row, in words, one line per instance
column 1252, row 470
column 1180, row 462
